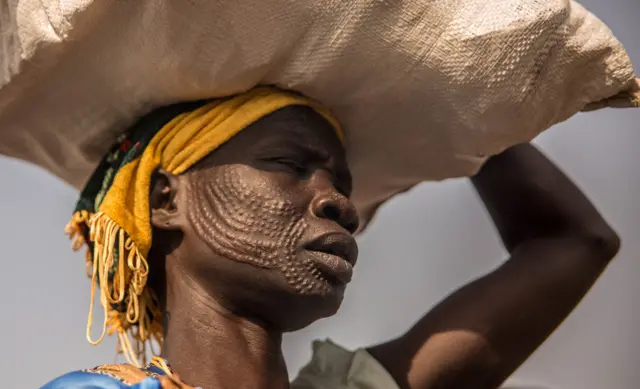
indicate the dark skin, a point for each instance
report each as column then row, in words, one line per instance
column 256, row 241
column 558, row 244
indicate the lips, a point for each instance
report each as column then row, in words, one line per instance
column 334, row 255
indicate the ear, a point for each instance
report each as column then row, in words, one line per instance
column 162, row 201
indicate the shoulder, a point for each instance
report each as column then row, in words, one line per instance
column 105, row 377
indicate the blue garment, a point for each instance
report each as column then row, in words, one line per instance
column 97, row 380
column 87, row 380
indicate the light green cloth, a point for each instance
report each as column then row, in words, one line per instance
column 333, row 367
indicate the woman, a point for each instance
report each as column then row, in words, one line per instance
column 215, row 255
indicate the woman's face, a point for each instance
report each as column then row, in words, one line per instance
column 268, row 223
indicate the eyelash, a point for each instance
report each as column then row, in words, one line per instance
column 298, row 167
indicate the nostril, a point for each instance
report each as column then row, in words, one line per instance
column 351, row 227
column 331, row 212
column 337, row 210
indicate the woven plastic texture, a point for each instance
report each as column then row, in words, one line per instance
column 426, row 89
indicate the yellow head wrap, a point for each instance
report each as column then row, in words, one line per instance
column 113, row 218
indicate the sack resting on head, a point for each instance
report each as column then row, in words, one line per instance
column 426, row 90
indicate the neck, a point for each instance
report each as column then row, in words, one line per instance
column 210, row 347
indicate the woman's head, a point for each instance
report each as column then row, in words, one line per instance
column 246, row 198
column 264, row 223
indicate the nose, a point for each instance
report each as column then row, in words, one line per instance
column 329, row 204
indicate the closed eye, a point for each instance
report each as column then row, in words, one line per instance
column 303, row 169
column 291, row 164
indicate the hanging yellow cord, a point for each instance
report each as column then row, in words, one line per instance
column 162, row 365
column 132, row 272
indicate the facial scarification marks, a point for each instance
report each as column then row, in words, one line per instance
column 242, row 215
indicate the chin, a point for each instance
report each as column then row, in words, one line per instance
column 309, row 308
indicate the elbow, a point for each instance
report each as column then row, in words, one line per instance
column 601, row 241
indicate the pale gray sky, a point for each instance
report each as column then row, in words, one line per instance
column 423, row 244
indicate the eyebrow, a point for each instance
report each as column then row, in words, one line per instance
column 298, row 145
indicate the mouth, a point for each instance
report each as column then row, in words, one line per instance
column 334, row 255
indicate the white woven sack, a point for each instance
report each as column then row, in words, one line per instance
column 426, row 89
